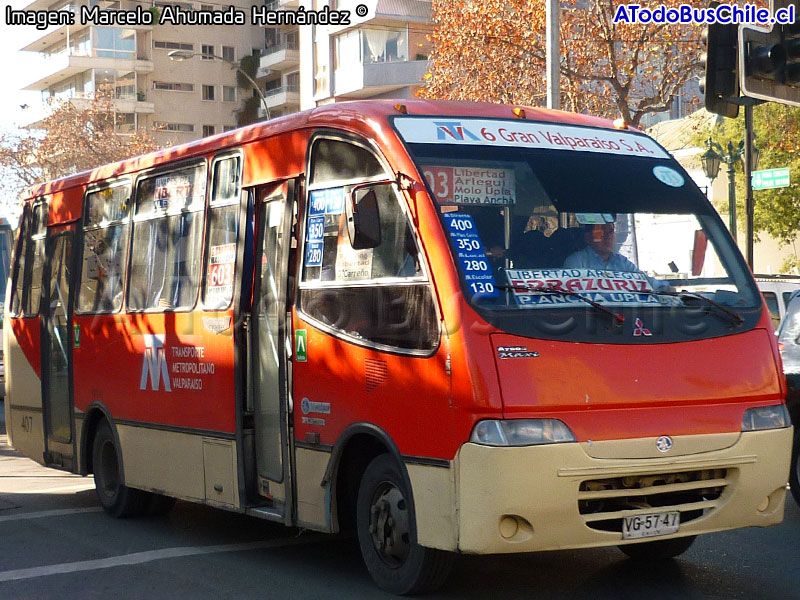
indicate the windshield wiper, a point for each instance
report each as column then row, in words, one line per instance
column 552, row 290
column 734, row 316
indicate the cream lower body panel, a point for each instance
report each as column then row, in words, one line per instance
column 526, row 499
column 192, row 467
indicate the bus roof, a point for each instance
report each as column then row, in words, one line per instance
column 359, row 115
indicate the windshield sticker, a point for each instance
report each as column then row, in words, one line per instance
column 526, row 134
column 554, row 288
column 471, row 255
column 669, row 176
column 326, row 202
column 471, row 185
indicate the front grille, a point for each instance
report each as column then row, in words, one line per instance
column 604, row 502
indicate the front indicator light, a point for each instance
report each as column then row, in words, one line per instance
column 766, row 417
column 521, row 432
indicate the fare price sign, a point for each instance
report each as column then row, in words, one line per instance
column 471, row 256
column 220, row 275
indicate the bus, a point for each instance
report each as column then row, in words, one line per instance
column 6, row 242
column 448, row 327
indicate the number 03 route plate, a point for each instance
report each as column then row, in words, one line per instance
column 644, row 526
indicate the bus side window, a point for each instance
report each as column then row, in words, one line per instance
column 167, row 238
column 105, row 245
column 18, row 290
column 377, row 295
column 28, row 270
column 223, row 232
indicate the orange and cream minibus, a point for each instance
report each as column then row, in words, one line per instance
column 450, row 327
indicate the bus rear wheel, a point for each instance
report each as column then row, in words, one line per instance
column 658, row 549
column 387, row 536
column 116, row 498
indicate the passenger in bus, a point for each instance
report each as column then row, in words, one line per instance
column 599, row 254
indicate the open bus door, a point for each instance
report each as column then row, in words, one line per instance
column 57, row 342
column 270, row 346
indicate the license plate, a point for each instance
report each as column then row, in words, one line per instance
column 643, row 526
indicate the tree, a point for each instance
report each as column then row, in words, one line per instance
column 76, row 136
column 249, row 112
column 777, row 136
column 494, row 50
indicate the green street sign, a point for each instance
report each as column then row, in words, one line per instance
column 771, row 178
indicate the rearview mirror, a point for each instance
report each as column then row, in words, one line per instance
column 363, row 217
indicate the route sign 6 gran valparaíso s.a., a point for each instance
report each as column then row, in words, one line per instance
column 771, row 178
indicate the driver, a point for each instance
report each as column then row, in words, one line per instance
column 599, row 254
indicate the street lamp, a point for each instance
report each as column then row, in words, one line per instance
column 712, row 158
column 179, row 55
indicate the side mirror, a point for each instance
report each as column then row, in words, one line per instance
column 363, row 217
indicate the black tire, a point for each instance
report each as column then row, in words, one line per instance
column 658, row 549
column 115, row 497
column 387, row 534
column 794, row 473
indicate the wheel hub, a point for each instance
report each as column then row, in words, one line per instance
column 388, row 525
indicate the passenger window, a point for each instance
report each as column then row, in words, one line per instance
column 105, row 246
column 377, row 295
column 223, row 231
column 18, row 291
column 30, row 260
column 167, row 237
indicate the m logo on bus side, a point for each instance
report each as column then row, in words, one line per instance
column 154, row 364
column 664, row 443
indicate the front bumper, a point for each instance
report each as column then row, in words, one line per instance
column 557, row 496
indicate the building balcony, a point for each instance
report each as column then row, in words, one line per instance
column 36, row 115
column 281, row 57
column 364, row 81
column 280, row 98
column 123, row 105
column 284, row 5
column 63, row 66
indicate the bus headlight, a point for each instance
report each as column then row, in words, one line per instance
column 521, row 432
column 766, row 417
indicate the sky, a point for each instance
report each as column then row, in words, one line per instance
column 18, row 69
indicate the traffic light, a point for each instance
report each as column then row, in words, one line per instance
column 769, row 63
column 720, row 60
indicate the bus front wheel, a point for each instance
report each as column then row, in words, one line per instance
column 117, row 499
column 387, row 536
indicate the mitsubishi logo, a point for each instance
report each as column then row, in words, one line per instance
column 640, row 329
column 664, row 443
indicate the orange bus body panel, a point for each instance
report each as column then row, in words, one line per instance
column 199, row 369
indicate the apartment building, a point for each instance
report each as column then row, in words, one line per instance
column 383, row 54
column 175, row 101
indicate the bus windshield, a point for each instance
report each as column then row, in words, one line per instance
column 548, row 220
